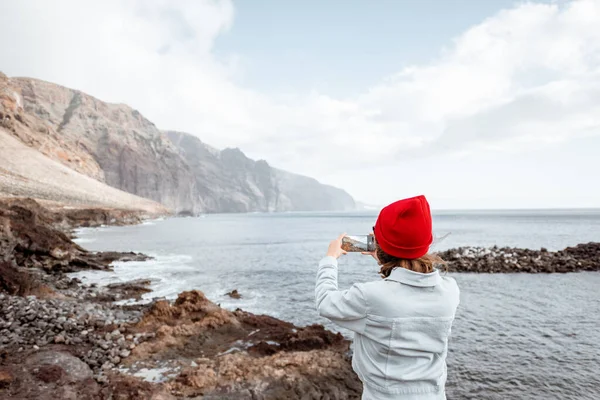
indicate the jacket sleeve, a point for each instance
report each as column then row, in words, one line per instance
column 347, row 308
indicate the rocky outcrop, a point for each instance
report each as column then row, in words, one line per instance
column 29, row 238
column 114, row 144
column 238, row 354
column 583, row 257
column 62, row 339
column 227, row 180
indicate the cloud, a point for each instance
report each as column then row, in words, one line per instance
column 522, row 78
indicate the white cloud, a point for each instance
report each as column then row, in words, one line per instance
column 523, row 78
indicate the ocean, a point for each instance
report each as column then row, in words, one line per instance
column 516, row 336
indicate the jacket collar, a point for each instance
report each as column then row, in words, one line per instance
column 413, row 278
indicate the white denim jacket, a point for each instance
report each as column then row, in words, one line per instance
column 401, row 326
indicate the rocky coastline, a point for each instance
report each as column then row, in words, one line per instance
column 60, row 338
column 583, row 257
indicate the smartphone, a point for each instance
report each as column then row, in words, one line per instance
column 358, row 243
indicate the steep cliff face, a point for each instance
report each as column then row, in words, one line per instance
column 116, row 145
column 228, row 180
column 112, row 143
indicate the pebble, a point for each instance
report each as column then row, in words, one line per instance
column 34, row 323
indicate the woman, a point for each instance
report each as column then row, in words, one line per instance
column 402, row 322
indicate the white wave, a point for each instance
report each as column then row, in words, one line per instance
column 83, row 240
column 159, row 271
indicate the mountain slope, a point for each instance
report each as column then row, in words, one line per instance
column 25, row 172
column 229, row 180
column 109, row 142
column 116, row 145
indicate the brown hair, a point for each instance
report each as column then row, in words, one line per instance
column 424, row 264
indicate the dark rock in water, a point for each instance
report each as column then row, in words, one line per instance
column 132, row 289
column 108, row 257
column 185, row 213
column 583, row 257
column 234, row 294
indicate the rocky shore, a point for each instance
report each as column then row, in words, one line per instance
column 61, row 339
column 583, row 257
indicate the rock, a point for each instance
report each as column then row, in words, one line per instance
column 583, row 257
column 50, row 373
column 74, row 369
column 305, row 359
column 234, row 294
column 124, row 353
column 107, row 365
column 6, row 377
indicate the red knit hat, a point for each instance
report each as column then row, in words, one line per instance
column 403, row 228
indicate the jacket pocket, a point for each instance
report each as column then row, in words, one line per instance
column 417, row 353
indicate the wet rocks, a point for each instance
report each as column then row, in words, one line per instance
column 234, row 294
column 132, row 289
column 583, row 257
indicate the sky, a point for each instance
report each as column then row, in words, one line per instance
column 476, row 104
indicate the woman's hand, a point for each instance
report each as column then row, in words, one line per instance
column 335, row 247
column 372, row 254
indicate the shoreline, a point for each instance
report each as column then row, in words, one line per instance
column 62, row 339
column 65, row 339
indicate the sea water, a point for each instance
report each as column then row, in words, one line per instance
column 516, row 336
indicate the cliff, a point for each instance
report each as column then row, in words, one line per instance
column 116, row 145
column 228, row 180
